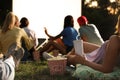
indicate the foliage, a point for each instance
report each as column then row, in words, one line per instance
column 101, row 16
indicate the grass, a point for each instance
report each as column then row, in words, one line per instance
column 38, row 71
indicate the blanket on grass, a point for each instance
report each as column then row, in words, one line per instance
column 86, row 73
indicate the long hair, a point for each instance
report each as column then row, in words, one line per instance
column 68, row 21
column 24, row 22
column 16, row 21
column 118, row 26
column 9, row 22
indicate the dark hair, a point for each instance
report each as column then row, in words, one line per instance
column 68, row 21
column 24, row 22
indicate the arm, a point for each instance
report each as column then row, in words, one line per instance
column 52, row 37
column 36, row 40
column 82, row 34
column 84, row 38
column 28, row 41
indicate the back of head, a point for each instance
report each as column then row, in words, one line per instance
column 9, row 22
column 68, row 21
column 24, row 22
column 82, row 20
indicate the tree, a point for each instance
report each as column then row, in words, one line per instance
column 103, row 15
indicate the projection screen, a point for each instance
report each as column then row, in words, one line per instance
column 47, row 13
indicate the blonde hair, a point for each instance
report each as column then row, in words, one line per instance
column 16, row 21
column 118, row 26
column 9, row 22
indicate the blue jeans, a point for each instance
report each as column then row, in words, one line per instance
column 7, row 69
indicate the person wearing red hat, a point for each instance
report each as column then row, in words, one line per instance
column 89, row 32
column 102, row 58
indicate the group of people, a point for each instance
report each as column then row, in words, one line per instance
column 63, row 42
column 98, row 54
column 11, row 50
column 104, row 57
column 16, row 39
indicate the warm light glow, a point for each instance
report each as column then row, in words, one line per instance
column 87, row 1
column 93, row 4
column 112, row 11
column 112, row 1
column 47, row 13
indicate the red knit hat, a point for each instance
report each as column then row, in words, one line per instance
column 82, row 20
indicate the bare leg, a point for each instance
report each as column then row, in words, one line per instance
column 50, row 49
column 54, row 45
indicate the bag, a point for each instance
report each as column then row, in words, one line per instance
column 36, row 55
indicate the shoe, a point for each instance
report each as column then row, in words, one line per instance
column 16, row 52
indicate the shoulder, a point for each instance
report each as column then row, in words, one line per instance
column 114, row 36
column 91, row 25
column 69, row 29
column 29, row 29
column 17, row 29
column 82, row 28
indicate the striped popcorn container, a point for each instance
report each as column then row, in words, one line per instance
column 57, row 65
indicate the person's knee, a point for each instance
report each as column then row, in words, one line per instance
column 115, row 40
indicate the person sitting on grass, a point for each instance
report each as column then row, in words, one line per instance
column 11, row 50
column 63, row 41
column 24, row 24
column 89, row 32
column 104, row 57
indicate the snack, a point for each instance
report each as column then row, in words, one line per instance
column 78, row 45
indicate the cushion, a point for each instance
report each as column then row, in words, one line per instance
column 84, row 73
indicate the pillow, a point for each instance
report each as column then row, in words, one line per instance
column 86, row 73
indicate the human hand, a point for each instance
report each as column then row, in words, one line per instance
column 1, row 55
column 81, row 59
column 45, row 30
column 75, row 59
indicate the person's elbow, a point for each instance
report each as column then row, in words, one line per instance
column 107, row 70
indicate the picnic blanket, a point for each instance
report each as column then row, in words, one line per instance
column 86, row 73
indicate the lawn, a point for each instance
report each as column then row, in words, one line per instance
column 38, row 71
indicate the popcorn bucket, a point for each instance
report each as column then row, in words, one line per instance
column 57, row 65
